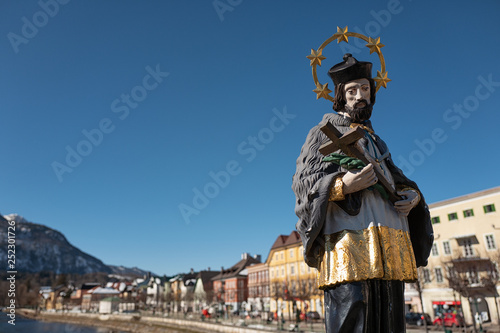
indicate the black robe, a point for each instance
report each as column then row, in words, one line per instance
column 311, row 184
column 366, row 306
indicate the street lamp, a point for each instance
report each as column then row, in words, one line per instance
column 477, row 318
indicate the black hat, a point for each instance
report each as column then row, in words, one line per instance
column 350, row 69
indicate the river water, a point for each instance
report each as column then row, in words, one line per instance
column 24, row 325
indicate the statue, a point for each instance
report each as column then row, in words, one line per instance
column 364, row 225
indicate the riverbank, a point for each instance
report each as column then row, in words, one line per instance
column 137, row 324
column 150, row 324
column 126, row 323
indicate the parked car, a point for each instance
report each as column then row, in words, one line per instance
column 450, row 319
column 205, row 313
column 417, row 318
column 313, row 315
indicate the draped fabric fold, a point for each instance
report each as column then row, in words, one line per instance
column 373, row 253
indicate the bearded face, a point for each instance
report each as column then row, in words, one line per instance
column 360, row 112
column 357, row 96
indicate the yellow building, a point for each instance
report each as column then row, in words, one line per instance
column 464, row 255
column 292, row 284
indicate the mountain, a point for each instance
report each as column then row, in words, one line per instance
column 128, row 272
column 40, row 248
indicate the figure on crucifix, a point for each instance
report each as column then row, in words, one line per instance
column 364, row 225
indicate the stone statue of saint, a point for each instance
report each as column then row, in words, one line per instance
column 364, row 246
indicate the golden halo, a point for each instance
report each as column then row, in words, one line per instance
column 342, row 35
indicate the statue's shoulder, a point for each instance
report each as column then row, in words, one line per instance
column 327, row 117
column 316, row 137
column 331, row 117
column 339, row 122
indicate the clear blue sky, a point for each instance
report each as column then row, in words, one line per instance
column 220, row 78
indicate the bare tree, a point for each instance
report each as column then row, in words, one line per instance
column 491, row 279
column 304, row 289
column 277, row 292
column 419, row 287
column 169, row 299
column 470, row 277
column 187, row 299
column 200, row 298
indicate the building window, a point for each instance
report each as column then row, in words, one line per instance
column 292, row 270
column 435, row 251
column 276, row 256
column 452, row 216
column 439, row 275
column 468, row 213
column 490, row 242
column 291, row 253
column 468, row 250
column 282, row 256
column 427, row 275
column 435, row 220
column 472, row 276
column 282, row 271
column 447, row 247
column 489, row 208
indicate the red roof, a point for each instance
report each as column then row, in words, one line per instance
column 284, row 240
column 293, row 238
column 280, row 241
column 236, row 269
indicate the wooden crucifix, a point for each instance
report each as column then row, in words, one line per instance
column 348, row 144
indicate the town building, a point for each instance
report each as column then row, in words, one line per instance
column 258, row 290
column 204, row 290
column 187, row 291
column 173, row 293
column 109, row 305
column 91, row 300
column 231, row 285
column 462, row 273
column 78, row 293
column 57, row 298
column 293, row 285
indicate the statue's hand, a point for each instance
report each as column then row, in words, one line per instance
column 410, row 200
column 357, row 180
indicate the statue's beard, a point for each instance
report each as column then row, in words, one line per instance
column 359, row 114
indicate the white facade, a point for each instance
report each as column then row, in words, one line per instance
column 466, row 237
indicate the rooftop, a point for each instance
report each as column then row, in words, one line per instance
column 462, row 198
column 284, row 240
column 237, row 269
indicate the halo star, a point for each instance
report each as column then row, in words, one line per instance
column 381, row 79
column 374, row 45
column 316, row 57
column 322, row 91
column 341, row 34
